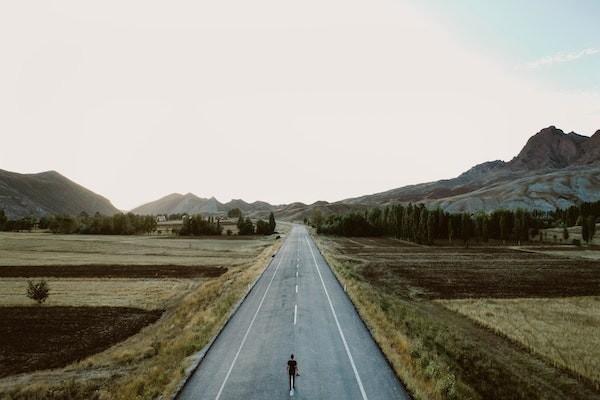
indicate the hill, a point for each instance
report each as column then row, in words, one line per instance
column 554, row 169
column 189, row 203
column 47, row 193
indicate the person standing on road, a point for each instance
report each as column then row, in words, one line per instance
column 293, row 371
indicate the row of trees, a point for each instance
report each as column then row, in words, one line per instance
column 246, row 227
column 421, row 225
column 196, row 225
column 118, row 224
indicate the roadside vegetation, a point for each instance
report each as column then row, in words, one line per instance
column 398, row 287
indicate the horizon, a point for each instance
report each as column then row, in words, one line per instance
column 216, row 197
column 283, row 102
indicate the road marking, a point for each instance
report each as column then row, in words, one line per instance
column 295, row 312
column 296, row 274
column 296, row 288
column 358, row 380
column 248, row 331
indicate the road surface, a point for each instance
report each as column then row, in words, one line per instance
column 296, row 307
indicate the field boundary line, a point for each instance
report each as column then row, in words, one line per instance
column 200, row 355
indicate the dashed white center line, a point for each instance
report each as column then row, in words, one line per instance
column 296, row 274
column 296, row 288
column 295, row 313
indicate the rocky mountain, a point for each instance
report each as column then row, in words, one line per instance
column 189, row 203
column 47, row 193
column 554, row 169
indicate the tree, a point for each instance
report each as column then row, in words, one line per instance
column 3, row 220
column 263, row 228
column 466, row 228
column 503, row 227
column 590, row 226
column 430, row 228
column 38, row 291
column 565, row 233
column 234, row 213
column 585, row 229
column 272, row 223
column 245, row 226
column 316, row 218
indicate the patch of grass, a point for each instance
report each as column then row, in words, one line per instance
column 440, row 354
column 149, row 294
column 565, row 331
column 31, row 249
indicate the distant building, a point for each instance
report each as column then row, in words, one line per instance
column 168, row 227
column 161, row 218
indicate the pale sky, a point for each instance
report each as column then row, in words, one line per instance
column 286, row 100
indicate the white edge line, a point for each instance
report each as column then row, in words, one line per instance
column 358, row 380
column 237, row 354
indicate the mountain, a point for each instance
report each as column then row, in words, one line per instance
column 47, row 193
column 551, row 148
column 189, row 203
column 554, row 169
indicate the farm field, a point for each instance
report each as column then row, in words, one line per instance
column 149, row 294
column 64, row 334
column 564, row 330
column 402, row 290
column 25, row 249
column 137, row 307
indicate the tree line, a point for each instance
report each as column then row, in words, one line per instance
column 133, row 224
column 246, row 227
column 418, row 224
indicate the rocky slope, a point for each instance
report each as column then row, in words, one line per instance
column 554, row 169
column 189, row 203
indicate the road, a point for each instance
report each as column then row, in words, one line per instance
column 296, row 307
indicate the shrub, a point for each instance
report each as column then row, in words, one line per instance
column 38, row 291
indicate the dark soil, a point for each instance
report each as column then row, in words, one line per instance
column 454, row 272
column 111, row 271
column 34, row 338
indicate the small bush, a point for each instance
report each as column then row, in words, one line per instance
column 38, row 291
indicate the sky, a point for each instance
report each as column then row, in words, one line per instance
column 287, row 101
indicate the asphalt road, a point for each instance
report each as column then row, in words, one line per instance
column 296, row 307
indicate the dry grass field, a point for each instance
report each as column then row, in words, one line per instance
column 190, row 283
column 564, row 330
column 441, row 354
column 25, row 249
column 149, row 294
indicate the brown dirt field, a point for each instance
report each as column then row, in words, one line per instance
column 476, row 272
column 111, row 271
column 51, row 337
column 440, row 354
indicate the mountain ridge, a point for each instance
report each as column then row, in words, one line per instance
column 48, row 193
column 553, row 169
